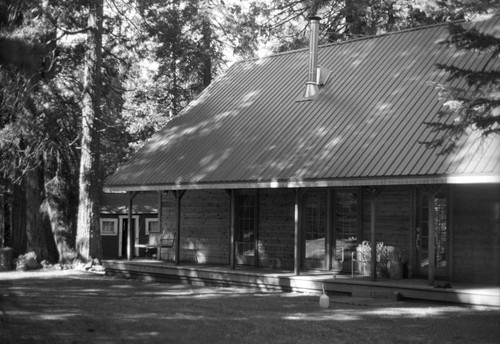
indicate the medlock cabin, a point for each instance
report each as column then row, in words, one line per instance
column 313, row 159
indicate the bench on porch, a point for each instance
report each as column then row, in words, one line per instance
column 156, row 242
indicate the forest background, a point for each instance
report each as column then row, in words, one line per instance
column 84, row 83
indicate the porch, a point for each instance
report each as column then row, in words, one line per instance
column 307, row 281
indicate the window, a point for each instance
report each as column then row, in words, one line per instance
column 109, row 227
column 315, row 224
column 439, row 204
column 347, row 215
column 152, row 226
column 246, row 229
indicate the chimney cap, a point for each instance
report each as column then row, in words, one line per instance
column 314, row 17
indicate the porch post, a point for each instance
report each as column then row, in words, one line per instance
column 412, row 249
column 129, row 224
column 432, row 236
column 330, row 234
column 178, row 195
column 160, row 212
column 373, row 199
column 449, row 235
column 297, row 233
column 2, row 219
column 232, row 258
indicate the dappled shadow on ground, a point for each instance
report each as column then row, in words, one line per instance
column 84, row 308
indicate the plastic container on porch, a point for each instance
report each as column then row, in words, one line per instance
column 363, row 259
column 394, row 264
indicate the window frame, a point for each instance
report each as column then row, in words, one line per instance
column 148, row 221
column 358, row 235
column 115, row 226
column 314, row 209
column 250, row 215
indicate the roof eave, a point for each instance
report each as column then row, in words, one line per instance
column 341, row 182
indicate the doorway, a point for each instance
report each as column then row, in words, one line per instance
column 123, row 233
column 246, row 227
column 345, row 209
column 314, row 230
column 432, row 243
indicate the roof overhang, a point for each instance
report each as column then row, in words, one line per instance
column 286, row 184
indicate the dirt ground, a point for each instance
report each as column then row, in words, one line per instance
column 79, row 307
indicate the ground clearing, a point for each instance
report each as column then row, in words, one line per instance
column 78, row 307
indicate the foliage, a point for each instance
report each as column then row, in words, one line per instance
column 471, row 96
column 156, row 57
column 160, row 54
column 350, row 19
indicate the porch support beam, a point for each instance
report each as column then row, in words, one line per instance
column 297, row 232
column 331, row 245
column 449, row 235
column 178, row 196
column 432, row 235
column 412, row 265
column 160, row 227
column 232, row 243
column 130, row 234
column 373, row 221
column 2, row 219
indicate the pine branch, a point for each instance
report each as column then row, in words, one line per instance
column 472, row 39
column 473, row 77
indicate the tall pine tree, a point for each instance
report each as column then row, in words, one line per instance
column 471, row 95
column 88, row 238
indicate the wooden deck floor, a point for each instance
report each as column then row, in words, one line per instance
column 313, row 281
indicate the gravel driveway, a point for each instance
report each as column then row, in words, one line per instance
column 79, row 307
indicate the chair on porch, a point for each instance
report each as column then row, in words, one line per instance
column 159, row 241
column 156, row 242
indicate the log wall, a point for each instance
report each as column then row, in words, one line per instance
column 276, row 232
column 476, row 234
column 474, row 228
column 205, row 226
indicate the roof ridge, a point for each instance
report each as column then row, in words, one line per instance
column 416, row 28
column 398, row 32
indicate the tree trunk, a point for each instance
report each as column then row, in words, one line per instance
column 87, row 235
column 35, row 231
column 59, row 212
column 207, row 41
column 18, row 223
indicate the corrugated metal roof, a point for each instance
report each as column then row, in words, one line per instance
column 248, row 130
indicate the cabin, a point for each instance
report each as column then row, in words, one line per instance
column 313, row 160
column 113, row 223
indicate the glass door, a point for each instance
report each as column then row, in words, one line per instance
column 246, row 228
column 123, row 234
column 437, row 206
column 348, row 229
column 314, row 223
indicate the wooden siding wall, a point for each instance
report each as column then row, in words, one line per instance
column 110, row 242
column 205, row 226
column 474, row 228
column 476, row 234
column 393, row 216
column 276, row 228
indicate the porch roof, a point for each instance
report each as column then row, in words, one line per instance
column 249, row 129
column 118, row 203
